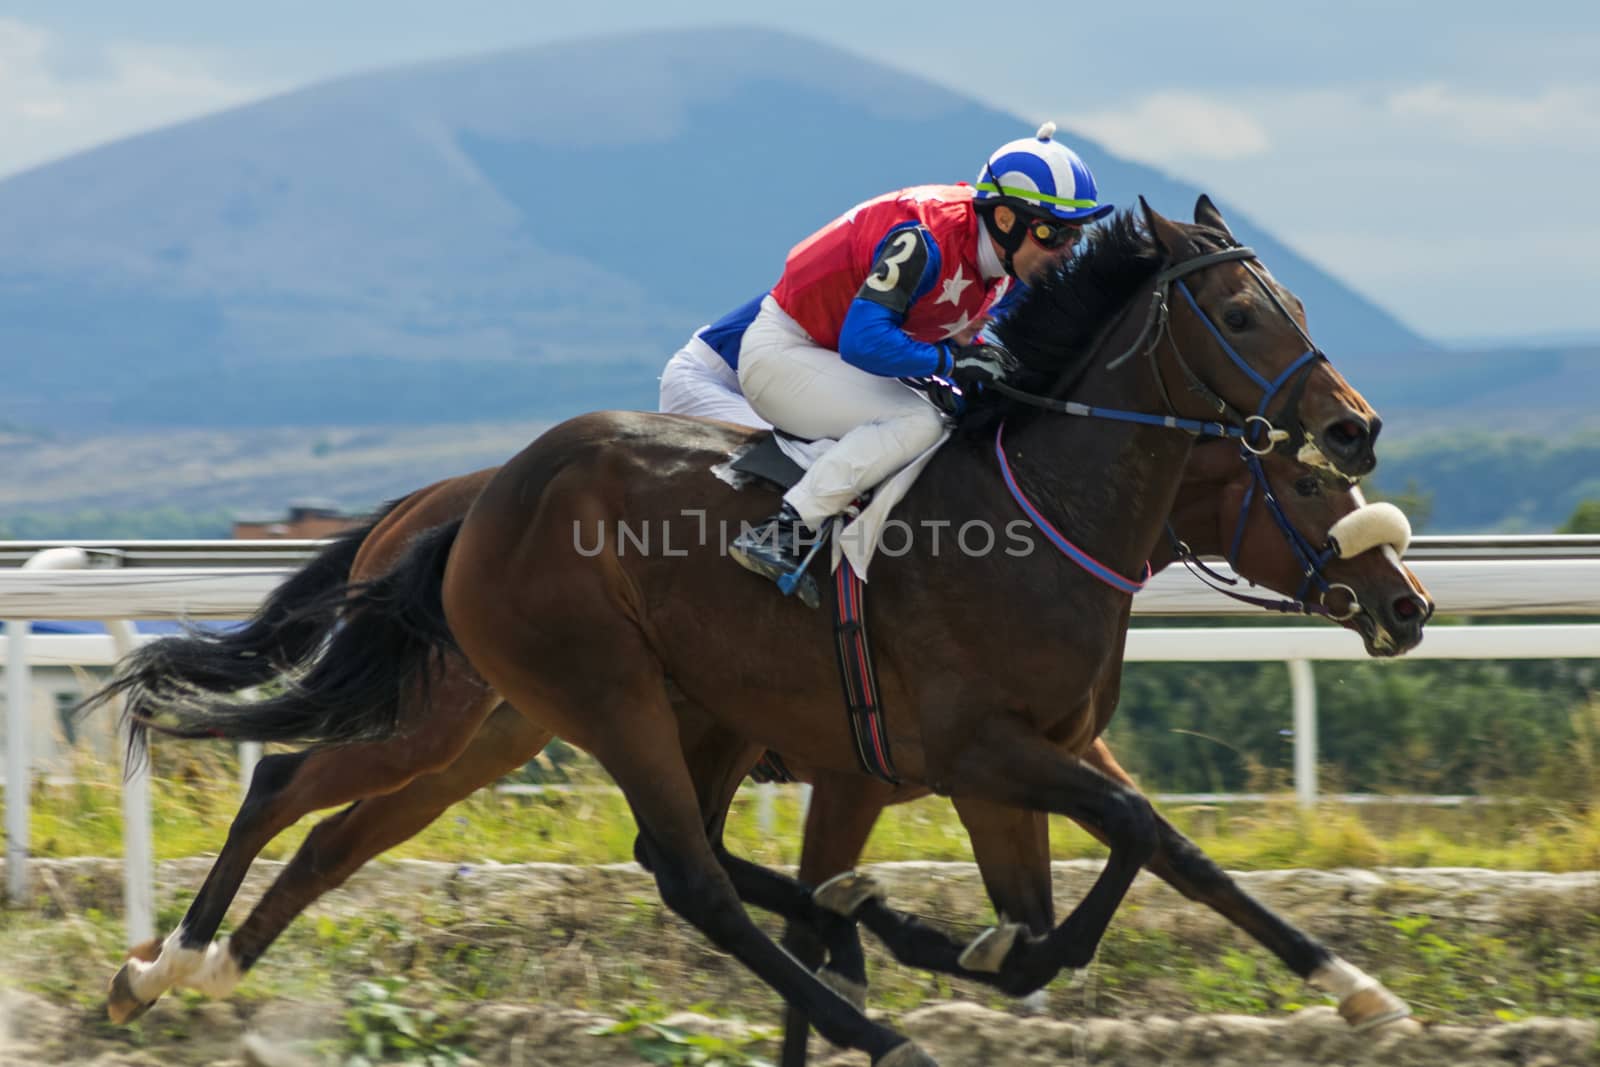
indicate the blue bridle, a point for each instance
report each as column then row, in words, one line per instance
column 1312, row 559
column 1242, row 429
column 1255, row 432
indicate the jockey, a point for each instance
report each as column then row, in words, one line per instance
column 700, row 378
column 879, row 295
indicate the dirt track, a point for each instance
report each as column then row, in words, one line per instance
column 537, row 1030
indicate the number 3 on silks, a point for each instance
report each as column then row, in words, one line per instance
column 895, row 277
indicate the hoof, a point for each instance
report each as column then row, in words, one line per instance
column 844, row 893
column 906, row 1055
column 988, row 950
column 121, row 1004
column 848, row 988
column 1370, row 1008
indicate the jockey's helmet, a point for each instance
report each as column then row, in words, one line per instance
column 1039, row 175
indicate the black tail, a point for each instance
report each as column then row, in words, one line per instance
column 279, row 636
column 385, row 637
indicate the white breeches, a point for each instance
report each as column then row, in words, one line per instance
column 696, row 381
column 809, row 391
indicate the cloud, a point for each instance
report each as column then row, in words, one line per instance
column 1555, row 115
column 1175, row 127
column 54, row 102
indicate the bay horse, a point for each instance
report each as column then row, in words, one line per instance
column 1223, row 508
column 640, row 625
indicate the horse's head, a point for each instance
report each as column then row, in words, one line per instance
column 1284, row 528
column 1240, row 350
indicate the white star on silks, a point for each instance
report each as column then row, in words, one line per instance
column 951, row 293
column 953, row 328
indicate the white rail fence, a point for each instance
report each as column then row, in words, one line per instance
column 118, row 582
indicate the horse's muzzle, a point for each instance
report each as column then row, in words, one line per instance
column 1348, row 443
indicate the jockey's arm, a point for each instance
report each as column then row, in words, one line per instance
column 872, row 338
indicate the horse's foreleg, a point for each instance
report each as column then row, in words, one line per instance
column 695, row 883
column 1363, row 1000
column 339, row 845
column 1009, row 764
column 1012, row 848
column 844, row 808
column 285, row 788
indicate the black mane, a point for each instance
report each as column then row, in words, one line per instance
column 1056, row 322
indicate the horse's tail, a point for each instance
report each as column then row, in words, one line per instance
column 382, row 640
column 277, row 638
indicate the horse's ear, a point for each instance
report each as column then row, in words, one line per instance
column 1207, row 215
column 1168, row 238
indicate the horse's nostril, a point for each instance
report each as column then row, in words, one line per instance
column 1408, row 608
column 1348, row 432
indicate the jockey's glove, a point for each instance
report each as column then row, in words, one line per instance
column 979, row 365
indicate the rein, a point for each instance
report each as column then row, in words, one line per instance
column 1248, row 430
column 1313, row 560
column 1242, row 429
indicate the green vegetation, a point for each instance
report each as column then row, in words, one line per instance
column 381, row 1027
column 1585, row 519
column 1512, row 727
column 1494, row 481
column 1555, row 828
column 658, row 1042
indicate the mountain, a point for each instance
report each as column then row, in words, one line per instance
column 519, row 235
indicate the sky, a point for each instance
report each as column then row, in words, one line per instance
column 1439, row 156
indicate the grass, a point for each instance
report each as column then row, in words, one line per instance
column 193, row 804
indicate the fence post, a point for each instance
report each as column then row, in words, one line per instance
column 1304, row 686
column 767, row 809
column 19, row 727
column 19, row 710
column 249, row 756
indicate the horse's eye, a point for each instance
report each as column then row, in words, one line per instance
column 1236, row 319
column 1308, row 486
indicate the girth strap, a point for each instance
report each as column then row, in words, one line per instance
column 771, row 768
column 858, row 676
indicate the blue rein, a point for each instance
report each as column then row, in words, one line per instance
column 1313, row 560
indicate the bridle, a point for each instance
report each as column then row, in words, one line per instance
column 1254, row 432
column 1312, row 559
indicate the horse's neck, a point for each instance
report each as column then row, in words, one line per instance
column 1107, row 486
column 1195, row 520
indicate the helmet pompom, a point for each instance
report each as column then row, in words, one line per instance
column 1047, row 131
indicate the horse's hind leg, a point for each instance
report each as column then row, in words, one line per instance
column 608, row 694
column 844, row 808
column 285, row 788
column 1363, row 1000
column 339, row 845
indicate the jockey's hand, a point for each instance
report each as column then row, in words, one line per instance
column 939, row 391
column 979, row 365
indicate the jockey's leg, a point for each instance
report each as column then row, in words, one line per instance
column 810, row 391
column 696, row 381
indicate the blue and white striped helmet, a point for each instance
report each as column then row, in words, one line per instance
column 1043, row 175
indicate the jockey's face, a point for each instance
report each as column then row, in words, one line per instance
column 1034, row 258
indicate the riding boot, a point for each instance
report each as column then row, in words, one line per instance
column 777, row 550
